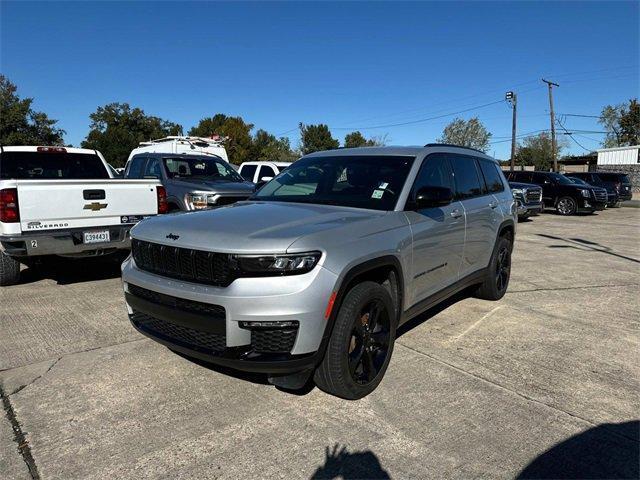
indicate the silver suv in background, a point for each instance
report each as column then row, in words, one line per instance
column 313, row 275
column 192, row 182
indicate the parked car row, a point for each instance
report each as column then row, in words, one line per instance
column 373, row 237
column 568, row 194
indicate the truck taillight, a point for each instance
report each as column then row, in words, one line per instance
column 163, row 206
column 9, row 212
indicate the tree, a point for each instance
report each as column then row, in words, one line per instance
column 356, row 139
column 266, row 147
column 20, row 124
column 236, row 132
column 116, row 129
column 466, row 133
column 314, row 138
column 537, row 150
column 622, row 124
column 207, row 127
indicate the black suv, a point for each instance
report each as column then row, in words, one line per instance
column 562, row 194
column 618, row 185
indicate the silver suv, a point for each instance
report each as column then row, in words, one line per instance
column 315, row 272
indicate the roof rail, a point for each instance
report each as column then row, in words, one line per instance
column 453, row 145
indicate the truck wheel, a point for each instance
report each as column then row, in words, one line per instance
column 498, row 272
column 361, row 343
column 9, row 270
column 566, row 206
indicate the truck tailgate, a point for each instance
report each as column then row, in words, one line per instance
column 55, row 204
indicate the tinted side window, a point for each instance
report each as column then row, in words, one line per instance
column 135, row 167
column 465, row 175
column 434, row 172
column 540, row 179
column 152, row 170
column 266, row 171
column 248, row 171
column 492, row 176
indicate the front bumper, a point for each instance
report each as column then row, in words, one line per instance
column 68, row 242
column 527, row 209
column 223, row 338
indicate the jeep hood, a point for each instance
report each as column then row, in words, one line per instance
column 250, row 227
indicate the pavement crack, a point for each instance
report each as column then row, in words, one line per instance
column 514, row 392
column 22, row 387
column 24, row 449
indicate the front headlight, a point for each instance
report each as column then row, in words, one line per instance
column 585, row 193
column 198, row 201
column 293, row 264
column 517, row 192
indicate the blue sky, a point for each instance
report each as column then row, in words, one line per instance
column 350, row 65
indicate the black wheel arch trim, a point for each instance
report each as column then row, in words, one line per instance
column 341, row 291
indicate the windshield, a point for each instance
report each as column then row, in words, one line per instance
column 561, row 179
column 372, row 182
column 51, row 166
column 204, row 168
column 577, row 181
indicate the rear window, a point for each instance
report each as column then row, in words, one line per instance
column 614, row 177
column 51, row 166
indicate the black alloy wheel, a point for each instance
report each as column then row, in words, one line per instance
column 369, row 345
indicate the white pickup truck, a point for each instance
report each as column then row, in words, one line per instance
column 65, row 201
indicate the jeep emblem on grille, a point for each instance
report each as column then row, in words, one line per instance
column 173, row 237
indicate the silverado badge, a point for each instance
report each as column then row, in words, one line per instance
column 95, row 206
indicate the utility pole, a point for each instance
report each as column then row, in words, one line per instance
column 512, row 97
column 553, row 123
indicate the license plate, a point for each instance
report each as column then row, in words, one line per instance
column 97, row 237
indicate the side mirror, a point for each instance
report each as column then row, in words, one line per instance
column 432, row 197
column 266, row 179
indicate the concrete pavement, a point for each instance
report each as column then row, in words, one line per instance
column 541, row 384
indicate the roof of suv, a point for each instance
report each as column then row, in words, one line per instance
column 399, row 151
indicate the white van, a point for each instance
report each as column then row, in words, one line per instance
column 261, row 171
column 180, row 144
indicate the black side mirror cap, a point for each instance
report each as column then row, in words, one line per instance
column 433, row 197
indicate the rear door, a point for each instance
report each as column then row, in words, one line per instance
column 481, row 211
column 438, row 233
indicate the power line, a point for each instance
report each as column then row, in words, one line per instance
column 571, row 136
column 389, row 125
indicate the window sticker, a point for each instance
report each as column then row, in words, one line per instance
column 377, row 194
column 383, row 185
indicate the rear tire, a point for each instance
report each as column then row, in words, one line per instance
column 9, row 270
column 498, row 273
column 566, row 206
column 361, row 343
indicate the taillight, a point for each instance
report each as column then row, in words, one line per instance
column 52, row 149
column 163, row 206
column 9, row 212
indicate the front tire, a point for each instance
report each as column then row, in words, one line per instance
column 361, row 343
column 498, row 273
column 9, row 270
column 566, row 206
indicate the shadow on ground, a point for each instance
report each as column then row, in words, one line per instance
column 66, row 271
column 339, row 463
column 606, row 451
column 585, row 245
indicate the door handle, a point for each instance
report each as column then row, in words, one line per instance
column 456, row 213
column 493, row 204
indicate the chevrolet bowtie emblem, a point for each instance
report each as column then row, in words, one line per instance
column 95, row 206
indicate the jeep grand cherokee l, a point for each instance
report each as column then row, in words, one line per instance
column 314, row 273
